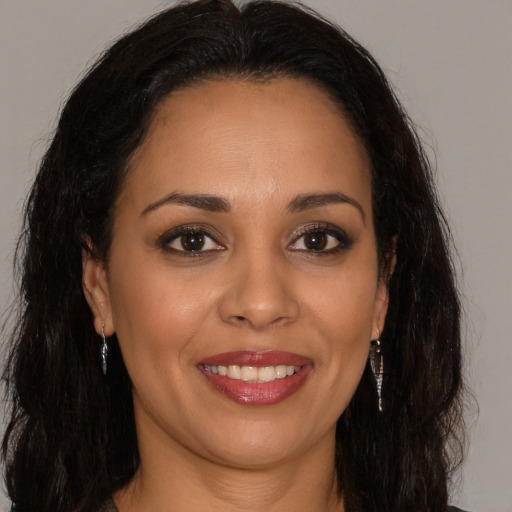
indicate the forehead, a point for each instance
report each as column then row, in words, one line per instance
column 241, row 138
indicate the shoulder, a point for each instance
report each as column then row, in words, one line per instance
column 455, row 509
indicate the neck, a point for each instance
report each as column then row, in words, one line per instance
column 177, row 479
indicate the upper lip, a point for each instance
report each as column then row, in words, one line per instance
column 256, row 358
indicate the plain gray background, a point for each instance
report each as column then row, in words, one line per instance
column 450, row 61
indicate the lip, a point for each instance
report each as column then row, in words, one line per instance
column 257, row 393
column 255, row 358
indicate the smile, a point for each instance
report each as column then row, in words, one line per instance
column 256, row 378
column 253, row 373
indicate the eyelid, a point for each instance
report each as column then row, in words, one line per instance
column 165, row 239
column 340, row 234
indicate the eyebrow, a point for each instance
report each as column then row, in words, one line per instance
column 308, row 201
column 216, row 204
column 205, row 202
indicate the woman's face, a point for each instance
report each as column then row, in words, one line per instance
column 242, row 280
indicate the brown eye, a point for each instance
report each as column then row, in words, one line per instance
column 189, row 242
column 192, row 241
column 315, row 241
column 320, row 240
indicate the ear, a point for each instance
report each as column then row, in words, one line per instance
column 382, row 295
column 96, row 291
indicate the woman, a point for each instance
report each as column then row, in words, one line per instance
column 237, row 289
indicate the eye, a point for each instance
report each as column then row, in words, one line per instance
column 189, row 241
column 322, row 239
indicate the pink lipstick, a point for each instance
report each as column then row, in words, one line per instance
column 256, row 378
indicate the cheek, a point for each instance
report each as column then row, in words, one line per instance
column 345, row 303
column 155, row 315
column 343, row 312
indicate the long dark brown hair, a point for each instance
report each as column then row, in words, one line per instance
column 71, row 439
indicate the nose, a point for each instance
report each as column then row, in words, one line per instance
column 260, row 295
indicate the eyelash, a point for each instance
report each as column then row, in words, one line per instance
column 343, row 240
column 165, row 240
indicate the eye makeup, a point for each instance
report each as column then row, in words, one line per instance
column 320, row 238
column 193, row 240
column 190, row 240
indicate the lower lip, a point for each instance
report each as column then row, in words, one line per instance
column 258, row 393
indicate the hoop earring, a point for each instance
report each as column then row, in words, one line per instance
column 377, row 365
column 103, row 351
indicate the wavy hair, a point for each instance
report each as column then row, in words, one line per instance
column 71, row 441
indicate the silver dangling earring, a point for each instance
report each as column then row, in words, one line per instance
column 104, row 351
column 377, row 365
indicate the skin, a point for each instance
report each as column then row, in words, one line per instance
column 258, row 146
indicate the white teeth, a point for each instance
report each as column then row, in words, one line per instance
column 253, row 373
column 249, row 373
column 281, row 371
column 234, row 372
column 267, row 373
